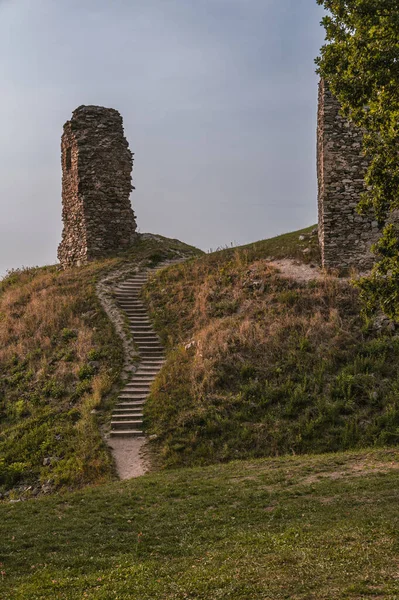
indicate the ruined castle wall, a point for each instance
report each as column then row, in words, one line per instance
column 345, row 236
column 96, row 185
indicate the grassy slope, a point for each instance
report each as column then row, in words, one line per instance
column 275, row 366
column 59, row 358
column 301, row 528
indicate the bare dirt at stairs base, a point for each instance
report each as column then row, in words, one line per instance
column 130, row 457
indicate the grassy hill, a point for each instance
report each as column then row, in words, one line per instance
column 258, row 365
column 301, row 528
column 261, row 365
column 60, row 360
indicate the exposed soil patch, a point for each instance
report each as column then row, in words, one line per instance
column 130, row 456
column 299, row 271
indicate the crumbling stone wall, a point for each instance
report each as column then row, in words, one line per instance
column 345, row 236
column 96, row 185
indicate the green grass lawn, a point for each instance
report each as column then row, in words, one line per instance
column 308, row 527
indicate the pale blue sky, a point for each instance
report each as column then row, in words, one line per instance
column 219, row 102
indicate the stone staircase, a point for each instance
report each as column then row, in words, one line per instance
column 127, row 416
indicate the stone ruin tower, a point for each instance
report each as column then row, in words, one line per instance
column 96, row 185
column 345, row 236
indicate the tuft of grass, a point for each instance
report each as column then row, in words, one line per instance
column 260, row 365
column 287, row 245
column 59, row 362
column 306, row 528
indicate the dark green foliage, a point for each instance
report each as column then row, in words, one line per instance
column 360, row 61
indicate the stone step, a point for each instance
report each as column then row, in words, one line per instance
column 130, row 405
column 139, row 320
column 121, row 417
column 149, row 347
column 126, row 417
column 153, row 363
column 142, row 377
column 132, row 397
column 128, row 408
column 152, row 371
column 135, row 393
column 136, row 387
column 134, row 295
column 129, row 307
column 149, row 357
column 145, row 389
column 127, row 413
column 145, row 380
column 144, row 335
column 138, row 377
column 126, row 433
column 133, row 282
column 126, row 424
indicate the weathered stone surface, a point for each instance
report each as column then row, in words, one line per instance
column 345, row 236
column 96, row 185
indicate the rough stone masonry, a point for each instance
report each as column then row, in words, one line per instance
column 96, row 185
column 345, row 236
